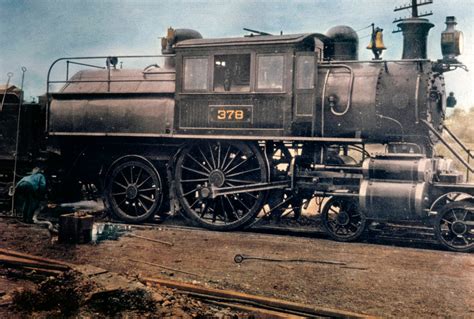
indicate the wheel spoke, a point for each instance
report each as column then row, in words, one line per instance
column 226, row 217
column 123, row 175
column 118, row 194
column 206, row 208
column 225, row 157
column 218, row 155
column 139, row 175
column 214, row 213
column 241, row 202
column 123, row 201
column 135, row 209
column 231, row 161
column 205, row 158
column 195, row 171
column 197, row 162
column 249, row 194
column 147, row 198
column 143, row 205
column 190, row 192
column 245, row 172
column 453, row 212
column 446, row 221
column 234, row 212
column 194, row 203
column 119, row 184
column 147, row 189
column 212, row 156
column 238, row 165
column 142, row 183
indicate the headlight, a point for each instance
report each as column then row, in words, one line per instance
column 451, row 40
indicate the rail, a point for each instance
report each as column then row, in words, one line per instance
column 111, row 63
column 458, row 141
column 466, row 163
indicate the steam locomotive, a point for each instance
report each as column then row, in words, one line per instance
column 229, row 129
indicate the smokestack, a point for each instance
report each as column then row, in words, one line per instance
column 415, row 34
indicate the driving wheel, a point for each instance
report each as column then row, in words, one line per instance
column 220, row 164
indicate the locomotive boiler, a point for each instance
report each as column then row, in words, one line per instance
column 227, row 130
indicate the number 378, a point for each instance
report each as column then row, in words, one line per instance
column 229, row 115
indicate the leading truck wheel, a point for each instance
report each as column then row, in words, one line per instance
column 133, row 189
column 454, row 226
column 201, row 166
column 342, row 219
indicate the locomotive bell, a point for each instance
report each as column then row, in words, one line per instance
column 451, row 40
column 376, row 43
column 379, row 45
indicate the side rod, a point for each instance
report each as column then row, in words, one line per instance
column 216, row 191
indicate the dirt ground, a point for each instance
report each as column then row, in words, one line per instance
column 380, row 280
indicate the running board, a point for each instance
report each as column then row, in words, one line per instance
column 450, row 148
column 216, row 191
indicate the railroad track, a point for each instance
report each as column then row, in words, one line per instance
column 383, row 234
column 263, row 305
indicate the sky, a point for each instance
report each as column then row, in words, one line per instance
column 34, row 33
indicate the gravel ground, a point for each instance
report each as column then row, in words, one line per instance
column 378, row 280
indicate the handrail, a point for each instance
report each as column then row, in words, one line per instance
column 67, row 59
column 449, row 147
column 459, row 142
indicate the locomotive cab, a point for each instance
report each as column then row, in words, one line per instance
column 258, row 85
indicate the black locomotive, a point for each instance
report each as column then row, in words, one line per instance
column 228, row 128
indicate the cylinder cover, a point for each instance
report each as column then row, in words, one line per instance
column 393, row 200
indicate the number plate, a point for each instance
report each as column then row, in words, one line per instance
column 230, row 113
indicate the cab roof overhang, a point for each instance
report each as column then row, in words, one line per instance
column 289, row 39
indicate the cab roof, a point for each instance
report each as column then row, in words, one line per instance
column 289, row 39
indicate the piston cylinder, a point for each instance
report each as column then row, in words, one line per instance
column 399, row 167
column 393, row 200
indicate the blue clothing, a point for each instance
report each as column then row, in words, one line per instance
column 36, row 180
column 29, row 192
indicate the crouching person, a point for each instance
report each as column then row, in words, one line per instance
column 29, row 193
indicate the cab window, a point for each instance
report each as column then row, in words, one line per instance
column 232, row 73
column 270, row 72
column 305, row 72
column 195, row 74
